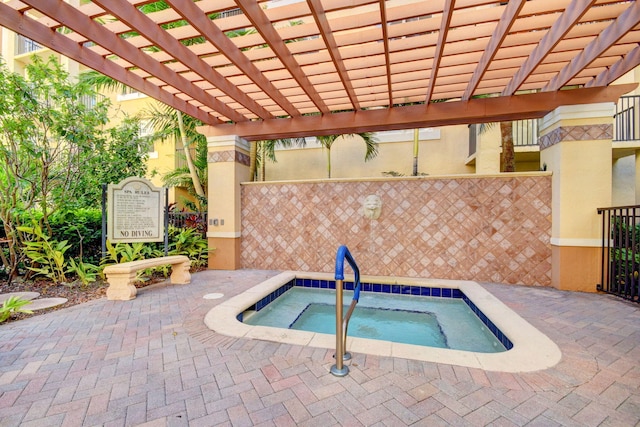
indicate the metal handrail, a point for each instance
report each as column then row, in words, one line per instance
column 339, row 369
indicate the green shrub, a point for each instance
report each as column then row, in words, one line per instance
column 189, row 242
column 13, row 305
column 82, row 229
column 47, row 255
column 85, row 272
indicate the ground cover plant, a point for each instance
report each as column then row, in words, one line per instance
column 52, row 269
column 58, row 148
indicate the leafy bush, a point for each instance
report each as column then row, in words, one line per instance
column 47, row 256
column 74, row 248
column 125, row 252
column 189, row 242
column 86, row 273
column 82, row 228
column 13, row 305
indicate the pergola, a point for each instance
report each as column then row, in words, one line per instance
column 272, row 69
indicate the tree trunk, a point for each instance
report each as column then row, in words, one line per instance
column 197, row 186
column 253, row 153
column 416, row 145
column 263, row 161
column 508, row 157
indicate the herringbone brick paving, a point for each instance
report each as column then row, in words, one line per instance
column 152, row 362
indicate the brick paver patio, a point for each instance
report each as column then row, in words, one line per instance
column 151, row 361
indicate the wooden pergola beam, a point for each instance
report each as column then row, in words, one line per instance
column 72, row 18
column 511, row 12
column 618, row 28
column 15, row 21
column 442, row 39
column 195, row 16
column 138, row 21
column 630, row 61
column 327, row 35
column 558, row 30
column 480, row 110
column 385, row 41
column 261, row 23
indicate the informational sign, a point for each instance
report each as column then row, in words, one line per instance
column 135, row 211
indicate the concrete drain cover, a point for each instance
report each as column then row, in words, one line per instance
column 42, row 303
column 23, row 295
column 213, row 296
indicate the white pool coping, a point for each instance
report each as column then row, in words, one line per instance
column 532, row 350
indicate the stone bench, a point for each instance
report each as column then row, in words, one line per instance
column 121, row 277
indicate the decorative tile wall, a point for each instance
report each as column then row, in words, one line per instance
column 494, row 229
column 577, row 133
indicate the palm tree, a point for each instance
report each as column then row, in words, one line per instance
column 368, row 137
column 167, row 122
column 263, row 150
column 507, row 156
column 164, row 121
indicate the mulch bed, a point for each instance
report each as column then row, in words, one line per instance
column 74, row 293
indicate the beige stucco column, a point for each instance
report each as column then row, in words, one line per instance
column 228, row 158
column 488, row 150
column 575, row 145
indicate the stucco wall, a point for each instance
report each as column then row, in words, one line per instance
column 441, row 151
column 493, row 228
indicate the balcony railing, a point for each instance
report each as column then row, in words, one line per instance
column 525, row 134
column 627, row 119
column 25, row 45
column 90, row 101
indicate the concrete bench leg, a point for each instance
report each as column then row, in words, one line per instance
column 121, row 286
column 180, row 274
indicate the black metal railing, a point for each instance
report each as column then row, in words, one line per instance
column 627, row 119
column 620, row 258
column 25, row 45
column 197, row 220
column 525, row 133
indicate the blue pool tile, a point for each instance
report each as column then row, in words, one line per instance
column 395, row 289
